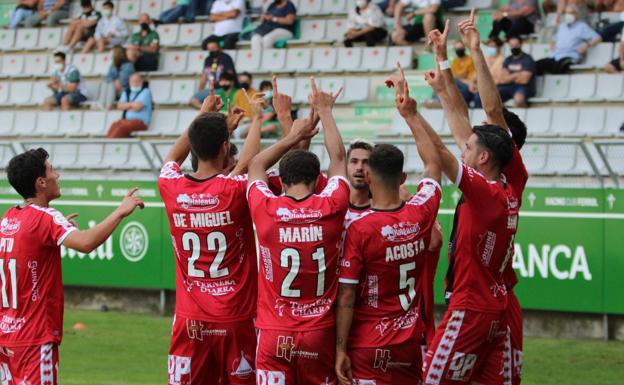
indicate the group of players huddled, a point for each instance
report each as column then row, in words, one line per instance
column 294, row 277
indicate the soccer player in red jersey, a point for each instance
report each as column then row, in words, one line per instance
column 378, row 325
column 469, row 343
column 357, row 162
column 31, row 311
column 298, row 239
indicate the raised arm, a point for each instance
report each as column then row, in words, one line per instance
column 282, row 104
column 322, row 103
column 252, row 143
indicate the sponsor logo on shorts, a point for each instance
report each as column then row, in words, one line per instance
column 299, row 216
column 405, row 321
column 197, row 202
column 10, row 325
column 6, row 377
column 196, row 331
column 9, row 226
column 269, row 377
column 461, row 366
column 179, row 370
column 383, row 361
column 241, row 366
column 400, row 232
column 285, row 348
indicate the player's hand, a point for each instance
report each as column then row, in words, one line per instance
column 343, row 368
column 321, row 101
column 129, row 203
column 234, row 117
column 435, row 80
column 306, row 128
column 70, row 219
column 404, row 103
column 257, row 104
column 282, row 103
column 438, row 41
column 469, row 32
column 212, row 103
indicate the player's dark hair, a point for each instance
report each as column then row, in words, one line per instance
column 24, row 169
column 60, row 54
column 207, row 133
column 516, row 126
column 359, row 145
column 386, row 162
column 299, row 166
column 497, row 141
column 233, row 150
column 108, row 4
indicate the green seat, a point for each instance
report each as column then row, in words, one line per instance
column 282, row 43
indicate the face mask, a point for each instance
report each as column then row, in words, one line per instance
column 516, row 51
column 145, row 27
column 460, row 52
column 135, row 89
column 361, row 3
column 245, row 85
column 569, row 18
column 268, row 95
column 489, row 51
column 59, row 67
column 213, row 54
column 107, row 12
column 226, row 86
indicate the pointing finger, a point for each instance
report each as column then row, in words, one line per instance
column 335, row 97
column 447, row 25
column 274, row 81
column 132, row 191
column 472, row 15
column 212, row 88
column 313, row 85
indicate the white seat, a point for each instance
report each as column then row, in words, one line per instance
column 12, row 65
column 128, row 9
column 190, row 34
column 402, row 55
column 84, row 62
column 398, row 125
column 7, row 39
column 356, row 89
column 136, row 159
column 90, row 156
column 116, row 155
column 168, row 34
column 302, row 90
column 50, row 37
column 478, row 4
column 112, row 117
column 70, row 123
column 540, row 51
column 520, row 112
column 555, row 88
column 27, row 38
column 286, row 86
column 161, row 90
column 374, row 58
column 47, row 123
column 582, row 165
column 102, row 63
column 615, row 156
column 298, row 59
column 6, row 128
column 4, row 93
column 164, row 122
column 336, row 28
column 349, row 59
column 323, row 59
column 564, row 120
column 582, row 87
column 609, row 86
column 93, row 89
column 24, row 123
column 36, row 65
column 173, row 62
column 94, row 123
column 561, row 158
column 40, row 91
column 591, row 120
column 413, row 162
column 182, row 91
column 313, row 30
column 310, row 7
column 477, row 117
column 273, row 60
column 20, row 92
column 332, row 85
column 335, row 7
column 597, row 56
column 263, row 4
column 534, row 157
column 247, row 60
column 539, row 120
column 434, row 116
column 196, row 62
column 208, row 29
column 185, row 118
column 64, row 155
column 152, row 8
column 615, row 118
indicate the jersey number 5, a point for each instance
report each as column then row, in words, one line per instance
column 12, row 265
column 216, row 242
column 407, row 283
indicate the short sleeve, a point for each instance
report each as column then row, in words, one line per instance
column 74, row 76
column 124, row 97
column 516, row 173
column 145, row 97
column 135, row 38
column 291, row 9
column 428, row 197
column 506, row 62
column 529, row 64
column 337, row 191
column 475, row 187
column 170, row 170
column 59, row 226
column 155, row 38
column 257, row 193
column 352, row 258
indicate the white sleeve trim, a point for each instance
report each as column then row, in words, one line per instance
column 432, row 181
column 349, row 281
column 460, row 171
column 62, row 238
column 257, row 181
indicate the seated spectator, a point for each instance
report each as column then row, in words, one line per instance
column 517, row 79
column 561, row 5
column 425, row 18
column 270, row 125
column 366, row 23
column 610, row 32
column 23, row 10
column 144, row 46
column 387, row 7
column 516, row 18
column 136, row 104
column 228, row 16
column 617, row 64
column 83, row 27
column 572, row 40
column 215, row 65
column 463, row 71
column 493, row 52
column 186, row 9
column 110, row 31
column 245, row 82
column 52, row 11
column 66, row 85
column 278, row 23
column 120, row 70
column 225, row 88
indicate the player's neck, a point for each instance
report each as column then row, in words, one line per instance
column 360, row 197
column 386, row 199
column 489, row 173
column 298, row 191
column 206, row 169
column 38, row 200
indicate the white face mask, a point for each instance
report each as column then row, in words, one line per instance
column 59, row 67
column 489, row 51
column 569, row 18
column 361, row 3
column 107, row 12
column 135, row 89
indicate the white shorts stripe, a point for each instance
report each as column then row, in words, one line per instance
column 46, row 365
column 444, row 348
column 507, row 357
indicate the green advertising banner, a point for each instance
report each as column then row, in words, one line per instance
column 567, row 252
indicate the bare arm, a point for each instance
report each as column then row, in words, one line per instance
column 252, row 143
column 152, row 48
column 398, row 12
column 282, row 104
column 71, row 87
column 523, row 77
column 345, row 302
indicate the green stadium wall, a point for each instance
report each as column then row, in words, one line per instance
column 568, row 249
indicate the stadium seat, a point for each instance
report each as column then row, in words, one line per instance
column 6, row 128
column 561, row 159
column 564, row 121
column 286, row 85
column 168, row 34
column 534, row 157
column 538, row 119
column 312, row 31
column 70, row 123
column 478, row 4
column 27, row 38
column 247, row 60
column 477, row 116
column 128, row 9
column 302, row 90
column 84, row 62
column 540, row 51
column 196, row 62
column 182, row 91
column 208, row 29
column 102, row 63
column 40, row 91
column 7, row 39
column 402, row 55
column 24, row 123
column 413, row 162
column 273, row 60
column 152, row 8
column 615, row 119
column 116, row 155
column 12, row 65
column 298, row 59
column 398, row 126
column 609, row 87
column 90, row 156
column 591, row 121
column 435, row 118
column 161, row 90
column 36, row 65
column 336, row 29
column 47, row 123
column 521, row 112
column 582, row 87
column 185, row 118
column 94, row 123
column 4, row 93
column 164, row 122
column 262, row 4
column 93, row 89
column 555, row 88
column 597, row 56
column 323, row 59
column 349, row 59
column 112, row 117
column 356, row 89
column 190, row 34
column 332, row 85
column 374, row 58
column 615, row 156
column 20, row 92
column 137, row 159
column 310, row 7
column 173, row 62
column 65, row 156
column 50, row 37
column 335, row 7
column 581, row 163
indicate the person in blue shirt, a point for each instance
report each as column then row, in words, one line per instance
column 136, row 103
column 278, row 23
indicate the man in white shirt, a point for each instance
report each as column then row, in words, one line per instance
column 228, row 16
column 111, row 30
column 366, row 23
column 423, row 18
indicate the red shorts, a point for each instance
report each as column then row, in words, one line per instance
column 290, row 358
column 390, row 365
column 513, row 347
column 211, row 353
column 33, row 365
column 468, row 346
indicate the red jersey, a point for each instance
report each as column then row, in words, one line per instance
column 384, row 255
column 30, row 275
column 299, row 247
column 214, row 245
column 482, row 242
column 432, row 258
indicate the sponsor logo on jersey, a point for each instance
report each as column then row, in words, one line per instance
column 300, row 215
column 9, row 226
column 34, row 277
column 9, row 325
column 400, row 232
column 405, row 321
column 303, row 310
column 215, row 288
column 241, row 366
column 195, row 202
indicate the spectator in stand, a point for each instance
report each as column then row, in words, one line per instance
column 610, row 32
column 136, row 104
column 216, row 64
column 617, row 64
column 83, row 27
column 559, row 6
column 52, row 11
column 463, row 70
column 68, row 89
column 516, row 18
column 270, row 125
column 183, row 8
column 228, row 16
column 110, row 31
column 120, row 70
column 227, row 90
column 517, row 79
column 572, row 40
column 144, row 46
column 387, row 6
column 23, row 10
column 425, row 17
column 366, row 23
column 245, row 82
column 494, row 58
column 278, row 23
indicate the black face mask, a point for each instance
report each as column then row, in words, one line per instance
column 213, row 54
column 245, row 86
column 460, row 52
column 226, row 86
column 145, row 27
column 516, row 51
